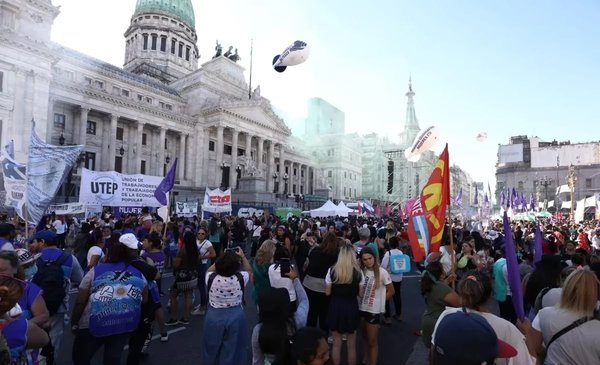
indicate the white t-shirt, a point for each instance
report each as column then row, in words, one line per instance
column 257, row 230
column 94, row 251
column 225, row 292
column 373, row 300
column 385, row 263
column 505, row 331
column 59, row 226
column 203, row 249
column 278, row 282
column 580, row 345
column 446, row 259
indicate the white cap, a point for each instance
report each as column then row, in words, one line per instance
column 130, row 240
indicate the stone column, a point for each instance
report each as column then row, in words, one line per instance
column 306, row 180
column 181, row 162
column 219, row 148
column 234, row 163
column 293, row 178
column 205, row 152
column 105, row 130
column 270, row 166
column 281, row 168
column 138, row 148
column 83, row 115
column 112, row 143
column 259, row 152
column 248, row 145
column 201, row 150
column 161, row 151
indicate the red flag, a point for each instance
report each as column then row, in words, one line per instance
column 428, row 214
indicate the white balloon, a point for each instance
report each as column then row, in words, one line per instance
column 481, row 137
column 293, row 55
column 424, row 141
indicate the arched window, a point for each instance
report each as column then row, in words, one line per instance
column 145, row 40
column 173, row 45
column 187, row 53
column 180, row 49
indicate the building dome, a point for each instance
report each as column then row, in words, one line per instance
column 179, row 9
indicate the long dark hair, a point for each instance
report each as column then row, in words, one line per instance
column 432, row 274
column 275, row 313
column 191, row 249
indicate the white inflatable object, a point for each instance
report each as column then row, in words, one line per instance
column 481, row 137
column 422, row 143
column 294, row 55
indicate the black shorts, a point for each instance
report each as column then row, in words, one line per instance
column 370, row 317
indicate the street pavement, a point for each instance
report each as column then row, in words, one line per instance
column 398, row 344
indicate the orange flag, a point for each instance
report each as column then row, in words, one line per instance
column 428, row 214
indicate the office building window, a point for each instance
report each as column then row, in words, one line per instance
column 180, row 53
column 295, row 171
column 227, row 149
column 91, row 127
column 163, row 43
column 119, row 134
column 588, row 183
column 166, row 143
column 118, row 164
column 144, row 139
column 145, row 40
column 154, row 39
column 329, row 173
column 187, row 53
column 90, row 161
column 59, row 121
column 173, row 45
column 143, row 167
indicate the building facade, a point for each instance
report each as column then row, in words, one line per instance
column 139, row 118
column 536, row 167
column 335, row 153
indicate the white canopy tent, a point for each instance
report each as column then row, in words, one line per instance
column 343, row 208
column 328, row 210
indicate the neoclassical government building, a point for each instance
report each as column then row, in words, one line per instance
column 160, row 106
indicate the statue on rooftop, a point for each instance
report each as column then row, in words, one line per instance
column 235, row 57
column 219, row 50
column 228, row 53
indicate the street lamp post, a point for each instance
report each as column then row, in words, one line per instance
column 572, row 181
column 238, row 170
column 545, row 183
column 275, row 176
column 285, row 187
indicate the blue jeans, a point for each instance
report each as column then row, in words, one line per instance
column 228, row 340
column 201, row 269
column 85, row 347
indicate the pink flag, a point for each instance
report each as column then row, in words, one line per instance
column 377, row 211
column 387, row 209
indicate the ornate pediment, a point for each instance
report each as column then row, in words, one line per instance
column 258, row 112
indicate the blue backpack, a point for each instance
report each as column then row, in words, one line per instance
column 399, row 264
column 115, row 299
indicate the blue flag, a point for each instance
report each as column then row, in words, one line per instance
column 166, row 185
column 537, row 245
column 512, row 269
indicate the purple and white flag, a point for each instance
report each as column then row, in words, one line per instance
column 458, row 198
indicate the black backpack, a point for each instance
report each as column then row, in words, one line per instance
column 51, row 278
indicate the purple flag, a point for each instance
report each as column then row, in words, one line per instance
column 458, row 199
column 486, row 201
column 166, row 185
column 514, row 199
column 476, row 201
column 502, row 198
column 512, row 268
column 533, row 202
column 537, row 245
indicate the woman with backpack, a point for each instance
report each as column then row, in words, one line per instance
column 108, row 307
column 225, row 319
column 396, row 281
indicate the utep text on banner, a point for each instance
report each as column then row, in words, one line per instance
column 217, row 201
column 428, row 214
column 112, row 189
column 47, row 167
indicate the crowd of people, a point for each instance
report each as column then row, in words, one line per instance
column 318, row 284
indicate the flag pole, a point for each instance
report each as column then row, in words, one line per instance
column 251, row 59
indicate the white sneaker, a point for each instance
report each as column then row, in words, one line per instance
column 164, row 338
column 199, row 311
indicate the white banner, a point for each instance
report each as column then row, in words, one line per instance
column 186, row 209
column 15, row 182
column 67, row 209
column 217, row 201
column 110, row 188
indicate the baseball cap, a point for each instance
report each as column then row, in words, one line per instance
column 26, row 257
column 6, row 228
column 47, row 235
column 130, row 240
column 462, row 330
